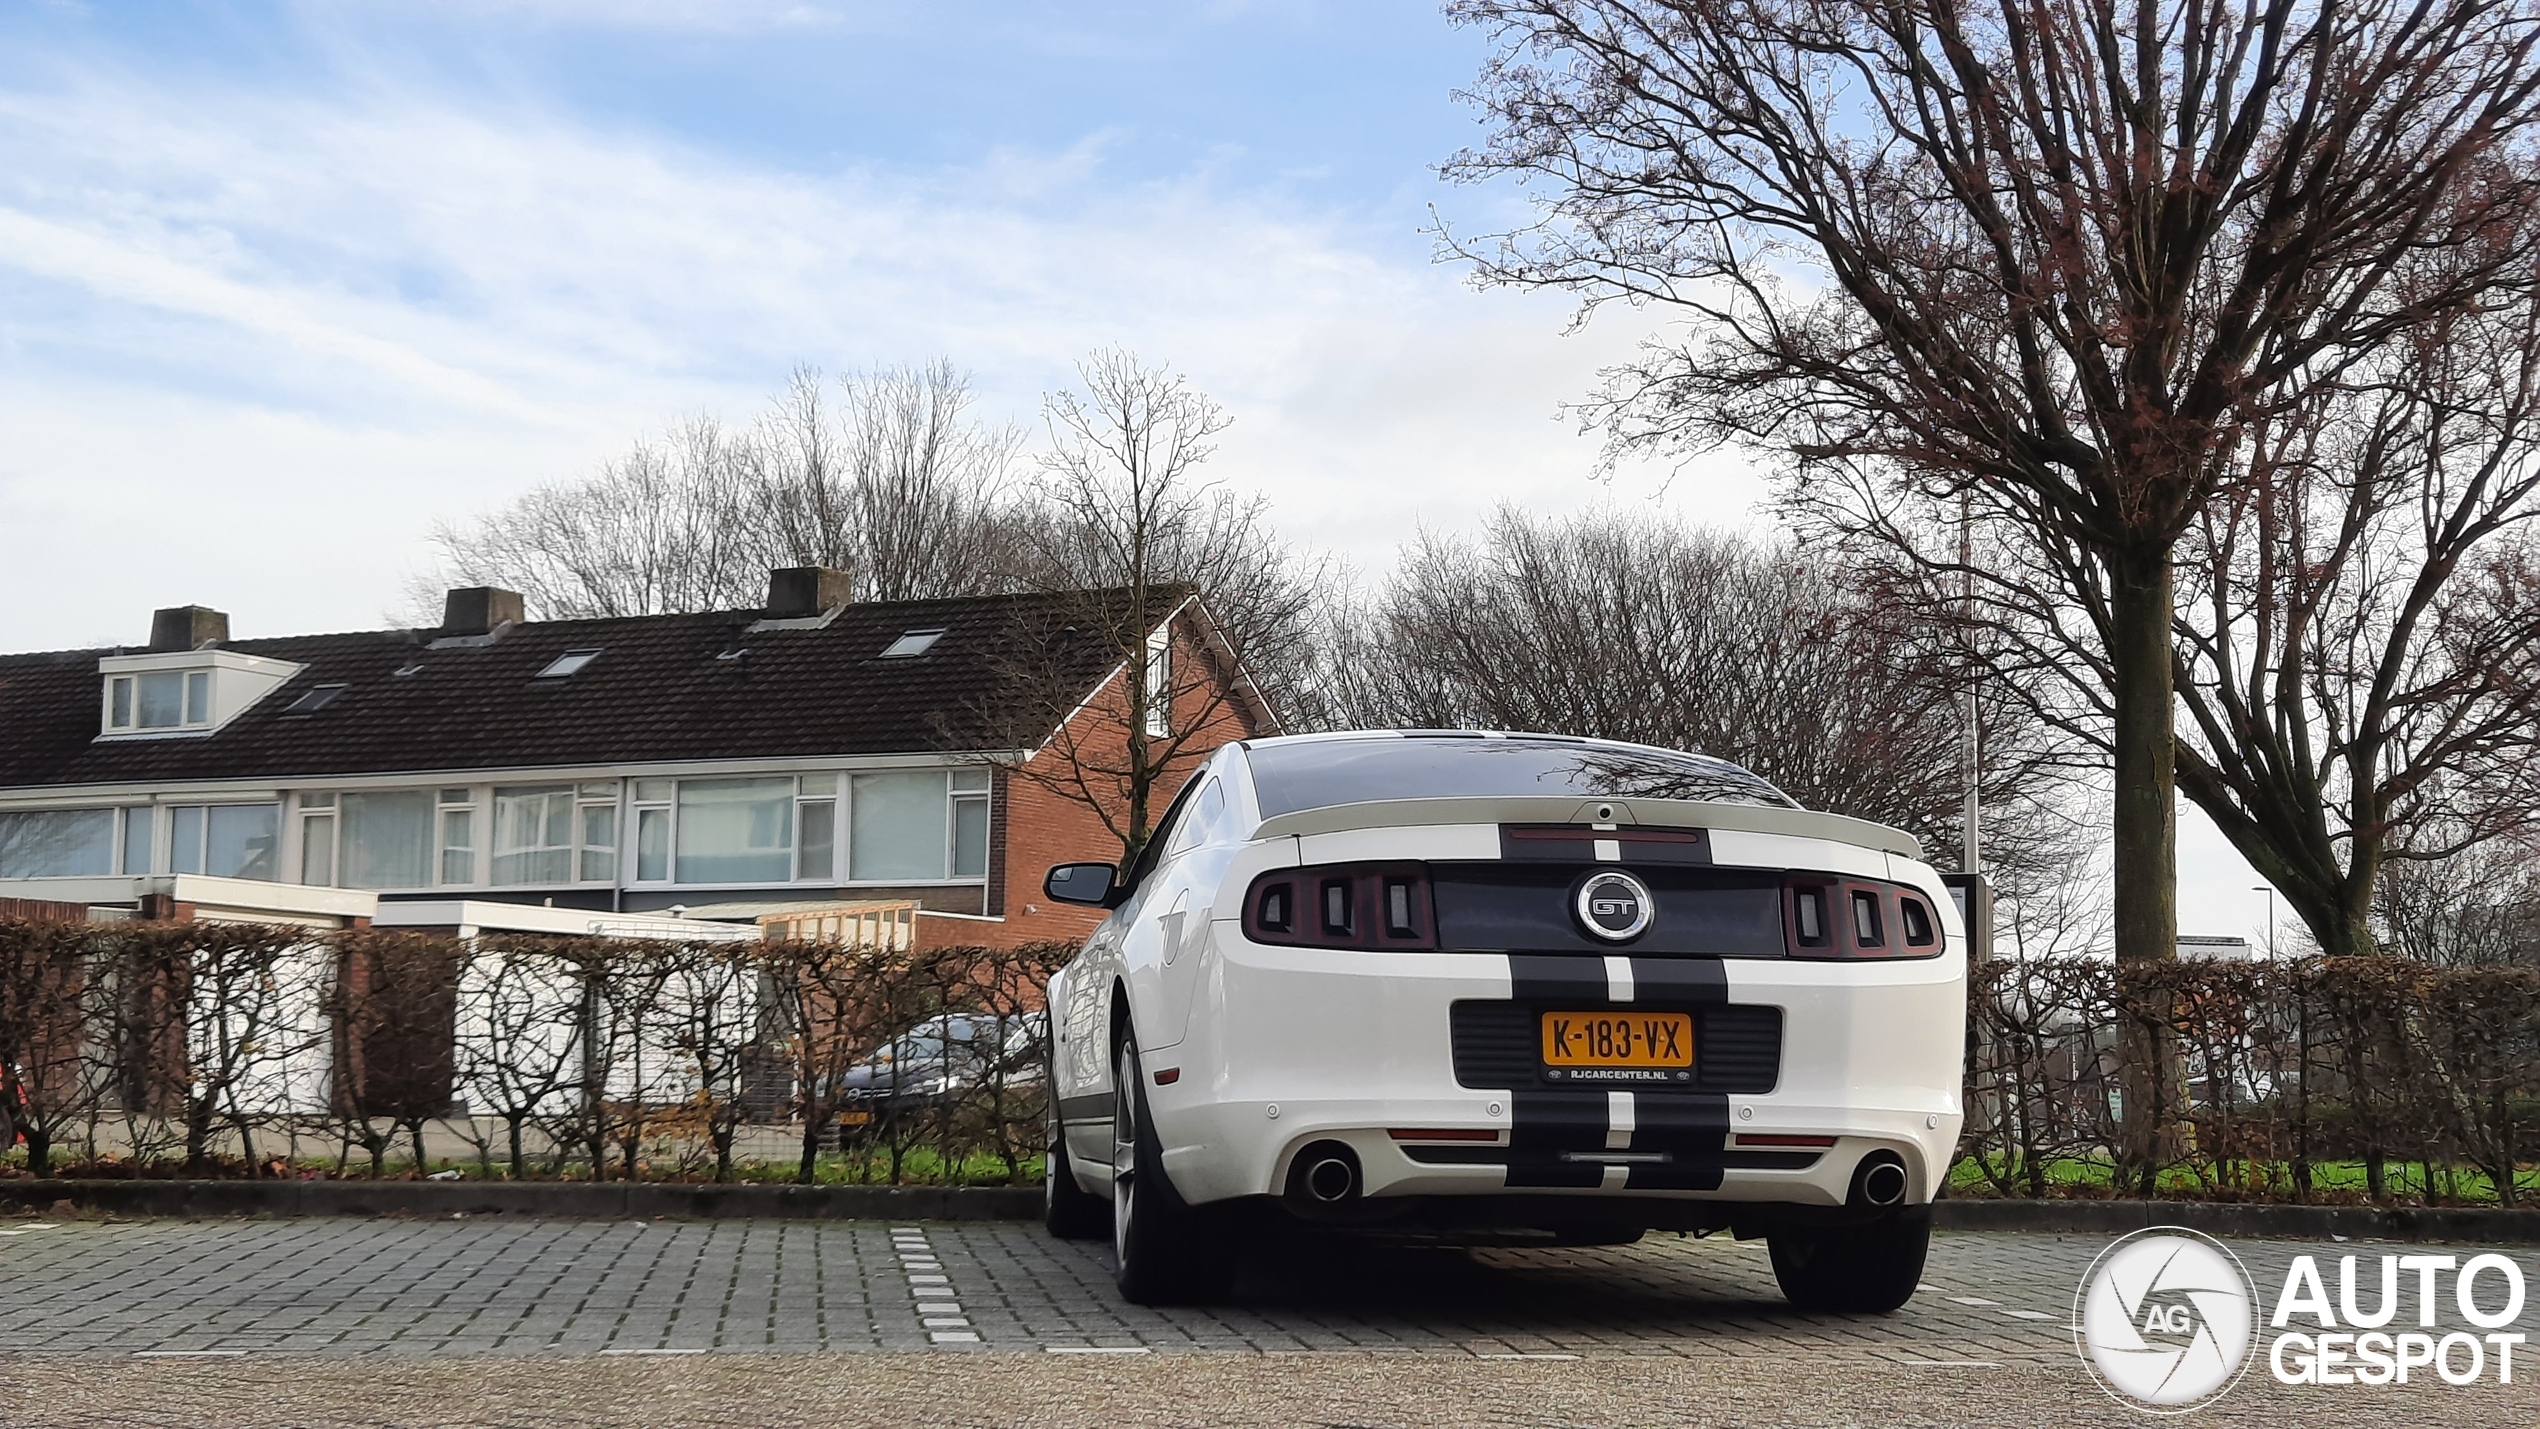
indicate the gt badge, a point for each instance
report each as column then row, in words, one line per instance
column 1615, row 906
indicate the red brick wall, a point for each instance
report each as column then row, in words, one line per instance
column 1037, row 825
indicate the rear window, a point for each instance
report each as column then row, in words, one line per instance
column 1322, row 773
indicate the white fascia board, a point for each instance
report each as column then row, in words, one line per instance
column 256, row 895
column 208, row 659
column 210, row 896
column 486, row 915
column 267, row 788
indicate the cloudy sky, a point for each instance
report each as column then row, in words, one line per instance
column 282, row 284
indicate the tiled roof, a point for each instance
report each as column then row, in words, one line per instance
column 662, row 689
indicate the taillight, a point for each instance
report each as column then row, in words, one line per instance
column 1854, row 918
column 1343, row 906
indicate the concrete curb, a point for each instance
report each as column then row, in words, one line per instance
column 2258, row 1222
column 623, row 1200
column 606, row 1200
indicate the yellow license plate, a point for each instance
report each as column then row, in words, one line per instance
column 854, row 1118
column 1617, row 1039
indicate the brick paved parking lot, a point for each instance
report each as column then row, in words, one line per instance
column 785, row 1313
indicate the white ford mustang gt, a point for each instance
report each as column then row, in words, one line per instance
column 1485, row 983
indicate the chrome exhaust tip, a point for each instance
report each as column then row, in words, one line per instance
column 1331, row 1180
column 1883, row 1183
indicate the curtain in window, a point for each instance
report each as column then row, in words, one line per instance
column 57, row 843
column 387, row 840
column 736, row 830
column 897, row 827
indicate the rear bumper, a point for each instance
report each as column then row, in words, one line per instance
column 1289, row 1047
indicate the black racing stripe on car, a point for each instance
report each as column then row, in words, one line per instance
column 1542, row 1125
column 1671, row 981
column 1538, row 977
column 1675, row 1176
column 1683, row 1123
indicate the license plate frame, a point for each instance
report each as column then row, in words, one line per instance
column 1615, row 1045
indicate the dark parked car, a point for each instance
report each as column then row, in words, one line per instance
column 934, row 1064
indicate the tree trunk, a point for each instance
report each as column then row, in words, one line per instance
column 520, row 1163
column 811, row 1151
column 2140, row 652
column 39, row 1149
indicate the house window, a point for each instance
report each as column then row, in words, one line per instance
column 652, row 829
column 816, row 819
column 57, row 843
column 735, row 831
column 225, row 840
column 533, row 834
column 596, row 806
column 140, row 839
column 384, row 839
column 458, row 836
column 1160, row 685
column 901, row 826
column 317, row 840
column 970, row 823
column 159, row 699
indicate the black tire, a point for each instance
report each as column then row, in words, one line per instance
column 1165, row 1251
column 1867, row 1269
column 1067, row 1209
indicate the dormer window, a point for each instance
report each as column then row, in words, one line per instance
column 162, row 699
column 167, row 693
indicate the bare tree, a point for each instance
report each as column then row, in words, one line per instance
column 1628, row 625
column 2065, row 258
column 2358, row 635
column 1174, row 579
column 895, row 482
column 2480, row 907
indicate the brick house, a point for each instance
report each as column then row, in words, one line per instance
column 625, row 775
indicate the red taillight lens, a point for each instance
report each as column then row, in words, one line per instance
column 1343, row 906
column 1827, row 917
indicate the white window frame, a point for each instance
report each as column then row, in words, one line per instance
column 636, row 804
column 1159, row 684
column 194, row 702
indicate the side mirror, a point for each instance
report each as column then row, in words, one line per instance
column 1087, row 883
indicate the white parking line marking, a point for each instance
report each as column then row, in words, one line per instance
column 1971, row 1300
column 2028, row 1314
column 1526, row 1357
column 654, row 1351
column 954, row 1337
column 1097, row 1350
column 1618, row 979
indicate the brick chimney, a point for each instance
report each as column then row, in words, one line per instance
column 479, row 610
column 796, row 591
column 187, row 627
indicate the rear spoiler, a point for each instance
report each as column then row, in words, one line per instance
column 1566, row 809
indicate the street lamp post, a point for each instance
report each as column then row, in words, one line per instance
column 2269, row 890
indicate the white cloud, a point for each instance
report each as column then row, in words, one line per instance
column 325, row 323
